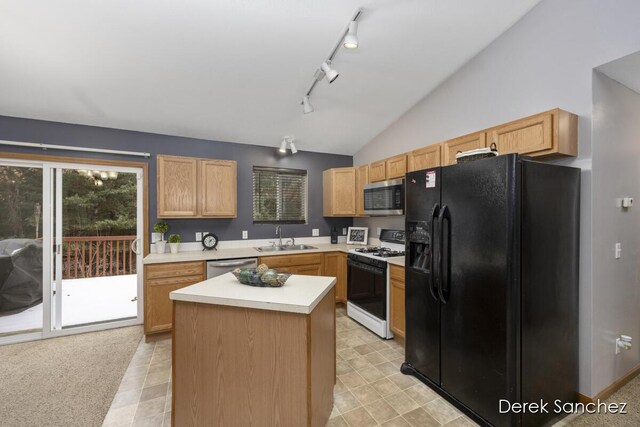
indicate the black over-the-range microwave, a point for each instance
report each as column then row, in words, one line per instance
column 384, row 198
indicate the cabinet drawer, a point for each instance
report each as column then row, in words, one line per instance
column 180, row 280
column 292, row 260
column 160, row 271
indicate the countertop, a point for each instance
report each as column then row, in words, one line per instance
column 396, row 261
column 248, row 252
column 300, row 294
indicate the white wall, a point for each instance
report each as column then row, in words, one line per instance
column 544, row 61
column 616, row 173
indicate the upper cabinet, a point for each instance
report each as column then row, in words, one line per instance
column 391, row 168
column 549, row 134
column 177, row 187
column 396, row 166
column 472, row 141
column 362, row 178
column 196, row 188
column 339, row 192
column 378, row 171
column 424, row 158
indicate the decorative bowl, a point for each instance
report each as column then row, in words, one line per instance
column 261, row 276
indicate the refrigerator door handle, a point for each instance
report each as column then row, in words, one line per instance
column 444, row 283
column 435, row 263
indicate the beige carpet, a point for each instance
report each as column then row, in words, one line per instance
column 630, row 394
column 66, row 381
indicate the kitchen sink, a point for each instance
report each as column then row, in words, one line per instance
column 284, row 248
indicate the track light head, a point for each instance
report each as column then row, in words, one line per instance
column 294, row 150
column 283, row 145
column 351, row 39
column 306, row 105
column 329, row 72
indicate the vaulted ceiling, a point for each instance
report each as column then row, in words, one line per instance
column 235, row 70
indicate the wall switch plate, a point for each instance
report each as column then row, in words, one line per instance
column 627, row 202
column 198, row 236
column 618, row 251
column 344, row 231
column 315, row 232
column 245, row 234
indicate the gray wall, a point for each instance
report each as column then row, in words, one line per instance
column 616, row 173
column 544, row 61
column 27, row 130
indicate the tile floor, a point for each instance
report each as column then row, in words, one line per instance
column 370, row 390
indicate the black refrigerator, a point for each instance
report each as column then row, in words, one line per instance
column 492, row 285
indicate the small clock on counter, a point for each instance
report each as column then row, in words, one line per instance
column 209, row 241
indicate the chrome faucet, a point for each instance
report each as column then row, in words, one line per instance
column 279, row 236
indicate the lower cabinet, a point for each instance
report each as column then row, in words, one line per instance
column 397, row 300
column 335, row 265
column 159, row 281
column 307, row 264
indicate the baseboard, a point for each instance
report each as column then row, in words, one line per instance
column 615, row 386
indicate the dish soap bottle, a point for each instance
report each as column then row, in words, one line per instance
column 334, row 235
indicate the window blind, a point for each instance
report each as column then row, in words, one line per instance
column 279, row 195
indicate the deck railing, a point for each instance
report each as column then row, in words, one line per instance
column 97, row 256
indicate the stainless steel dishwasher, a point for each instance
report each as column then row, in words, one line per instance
column 216, row 268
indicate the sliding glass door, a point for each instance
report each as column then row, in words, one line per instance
column 86, row 248
column 21, row 249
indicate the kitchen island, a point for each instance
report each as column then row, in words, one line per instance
column 252, row 356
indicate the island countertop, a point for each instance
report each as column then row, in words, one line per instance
column 300, row 294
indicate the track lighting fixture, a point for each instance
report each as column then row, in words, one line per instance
column 351, row 39
column 330, row 74
column 306, row 105
column 283, row 145
column 294, row 150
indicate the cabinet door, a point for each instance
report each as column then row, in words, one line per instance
column 333, row 268
column 218, row 183
column 158, row 313
column 425, row 158
column 341, row 289
column 464, row 143
column 362, row 178
column 339, row 192
column 396, row 166
column 525, row 136
column 397, row 301
column 177, row 187
column 306, row 270
column 378, row 171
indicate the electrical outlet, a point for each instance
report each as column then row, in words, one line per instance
column 618, row 251
column 198, row 236
column 344, row 231
column 315, row 232
column 245, row 234
column 378, row 231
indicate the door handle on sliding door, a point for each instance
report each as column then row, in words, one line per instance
column 135, row 246
column 434, row 275
column 444, row 283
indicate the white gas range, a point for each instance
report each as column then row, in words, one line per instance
column 368, row 282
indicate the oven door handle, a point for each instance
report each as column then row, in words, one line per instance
column 366, row 267
column 434, row 277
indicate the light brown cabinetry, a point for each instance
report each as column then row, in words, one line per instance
column 335, row 265
column 177, row 187
column 378, row 171
column 396, row 166
column 196, row 188
column 424, row 158
column 159, row 281
column 397, row 296
column 306, row 264
column 339, row 192
column 218, row 184
column 362, row 178
column 472, row 141
column 549, row 134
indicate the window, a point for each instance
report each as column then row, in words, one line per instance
column 279, row 195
